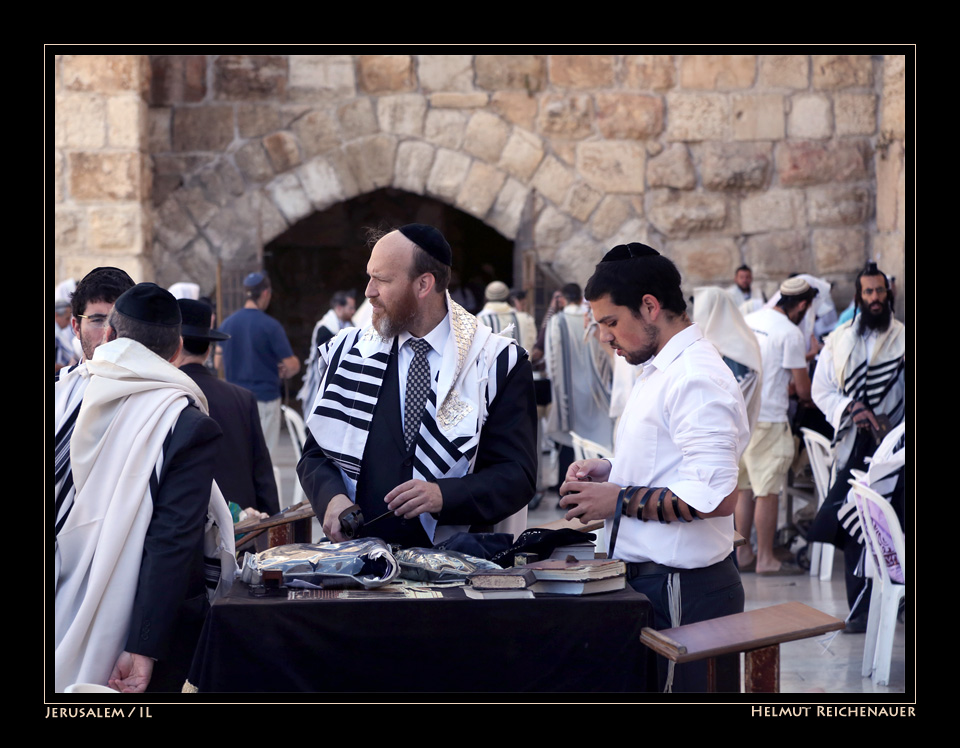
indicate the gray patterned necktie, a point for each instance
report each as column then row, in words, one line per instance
column 418, row 385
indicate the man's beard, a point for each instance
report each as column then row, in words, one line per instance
column 870, row 320
column 389, row 324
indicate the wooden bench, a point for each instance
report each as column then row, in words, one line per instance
column 756, row 633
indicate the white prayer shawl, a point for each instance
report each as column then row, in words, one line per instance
column 847, row 375
column 132, row 402
column 503, row 319
column 311, row 378
column 465, row 387
column 581, row 378
column 721, row 322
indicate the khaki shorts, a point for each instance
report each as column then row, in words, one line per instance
column 767, row 458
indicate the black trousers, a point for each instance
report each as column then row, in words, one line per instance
column 706, row 593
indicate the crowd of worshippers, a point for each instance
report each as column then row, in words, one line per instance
column 434, row 412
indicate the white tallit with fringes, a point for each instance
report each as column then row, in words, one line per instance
column 352, row 367
column 131, row 404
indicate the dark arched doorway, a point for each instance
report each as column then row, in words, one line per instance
column 327, row 251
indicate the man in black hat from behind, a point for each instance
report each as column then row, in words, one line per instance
column 129, row 564
column 243, row 469
column 425, row 416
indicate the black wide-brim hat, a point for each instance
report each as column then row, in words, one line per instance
column 196, row 321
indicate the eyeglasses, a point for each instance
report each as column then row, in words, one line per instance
column 627, row 251
column 95, row 320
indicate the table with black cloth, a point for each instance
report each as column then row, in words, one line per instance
column 553, row 643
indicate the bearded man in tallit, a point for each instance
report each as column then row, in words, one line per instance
column 130, row 536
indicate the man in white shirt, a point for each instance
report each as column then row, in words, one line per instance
column 771, row 449
column 668, row 495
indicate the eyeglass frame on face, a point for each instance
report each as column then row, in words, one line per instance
column 95, row 320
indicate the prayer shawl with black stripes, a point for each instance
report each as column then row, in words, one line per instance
column 844, row 374
column 352, row 367
column 131, row 402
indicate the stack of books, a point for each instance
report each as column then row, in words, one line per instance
column 573, row 576
column 502, row 584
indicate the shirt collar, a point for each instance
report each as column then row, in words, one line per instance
column 437, row 337
column 675, row 346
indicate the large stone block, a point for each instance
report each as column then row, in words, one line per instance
column 649, row 72
column 282, row 150
column 736, row 166
column 581, row 200
column 195, row 202
column 500, row 72
column 58, row 177
column 445, row 72
column 522, row 154
column 773, row 210
column 385, row 73
column 612, row 166
column 516, row 107
column 126, row 122
column 679, row 214
column 447, row 174
column 402, row 114
column 457, row 100
column 855, row 114
column 316, row 78
column 566, row 116
column 609, row 216
column 480, row 189
column 159, row 134
column 625, row 116
column 672, row 167
column 414, row 160
column 695, row 117
column 779, row 253
column 80, row 121
column 116, row 227
column 253, row 162
column 508, row 208
column 288, row 195
column 486, row 135
column 784, row 71
column 553, row 179
column 582, row 71
column 890, row 188
column 357, row 119
column 811, row 117
column 576, row 257
column 758, row 117
column 371, row 161
column 250, row 77
column 320, row 183
column 838, row 205
column 831, row 72
column 255, row 120
column 804, row 163
column 718, row 72
column 221, row 182
column 177, row 79
column 445, row 127
column 839, row 250
column 552, row 228
column 893, row 115
column 173, row 226
column 202, row 128
column 705, row 260
column 68, row 232
column 270, row 221
column 317, row 132
column 104, row 73
column 106, row 176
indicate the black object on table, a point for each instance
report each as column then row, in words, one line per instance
column 554, row 643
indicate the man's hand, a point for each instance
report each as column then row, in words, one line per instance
column 414, row 497
column 131, row 674
column 331, row 518
column 589, row 501
column 593, row 469
column 862, row 416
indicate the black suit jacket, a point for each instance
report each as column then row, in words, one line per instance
column 171, row 597
column 243, row 469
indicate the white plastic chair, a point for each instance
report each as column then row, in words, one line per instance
column 885, row 552
column 821, row 457
column 298, row 436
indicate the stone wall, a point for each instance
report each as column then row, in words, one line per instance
column 101, row 170
column 786, row 162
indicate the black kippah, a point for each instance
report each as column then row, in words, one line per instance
column 628, row 251
column 429, row 240
column 147, row 302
